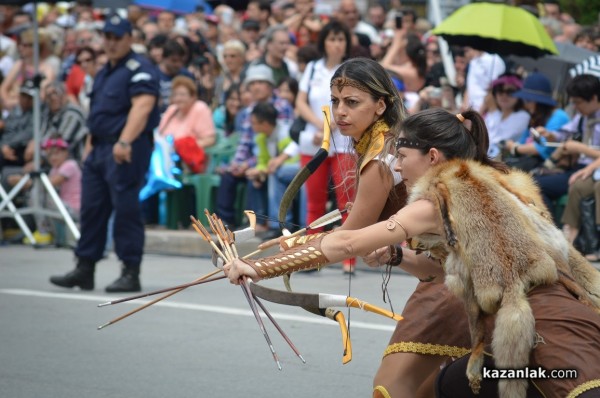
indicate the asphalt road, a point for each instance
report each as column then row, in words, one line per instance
column 201, row 342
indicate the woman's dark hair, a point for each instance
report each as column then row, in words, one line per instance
column 291, row 83
column 373, row 76
column 415, row 50
column 229, row 118
column 541, row 114
column 307, row 54
column 85, row 49
column 440, row 129
column 334, row 26
column 584, row 86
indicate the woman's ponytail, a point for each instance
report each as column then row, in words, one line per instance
column 480, row 136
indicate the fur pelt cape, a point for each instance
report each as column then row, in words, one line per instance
column 499, row 242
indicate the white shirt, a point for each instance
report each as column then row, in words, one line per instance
column 500, row 129
column 482, row 71
column 510, row 128
column 369, row 30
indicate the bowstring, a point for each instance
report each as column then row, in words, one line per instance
column 263, row 217
column 386, row 276
column 386, row 272
column 344, row 181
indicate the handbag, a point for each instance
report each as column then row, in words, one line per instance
column 299, row 124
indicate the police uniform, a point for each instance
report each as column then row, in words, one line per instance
column 109, row 187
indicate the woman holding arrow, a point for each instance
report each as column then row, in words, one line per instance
column 366, row 107
column 526, row 290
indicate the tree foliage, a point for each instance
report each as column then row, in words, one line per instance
column 585, row 12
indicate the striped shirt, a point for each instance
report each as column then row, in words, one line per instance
column 245, row 151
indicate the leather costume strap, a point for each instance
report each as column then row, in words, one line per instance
column 292, row 242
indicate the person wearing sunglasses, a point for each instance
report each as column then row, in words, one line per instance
column 508, row 120
column 81, row 77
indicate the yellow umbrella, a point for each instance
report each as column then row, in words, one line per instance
column 497, row 28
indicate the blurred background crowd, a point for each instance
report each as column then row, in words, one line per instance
column 218, row 61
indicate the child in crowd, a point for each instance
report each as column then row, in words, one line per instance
column 65, row 176
column 264, row 123
column 273, row 164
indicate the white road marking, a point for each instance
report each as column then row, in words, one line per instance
column 195, row 307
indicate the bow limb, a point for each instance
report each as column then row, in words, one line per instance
column 318, row 300
column 286, row 201
column 346, row 343
column 308, row 302
column 305, row 172
column 321, row 304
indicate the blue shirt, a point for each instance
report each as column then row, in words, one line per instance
column 114, row 87
column 554, row 123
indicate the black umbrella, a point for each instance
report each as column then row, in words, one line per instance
column 589, row 66
column 555, row 67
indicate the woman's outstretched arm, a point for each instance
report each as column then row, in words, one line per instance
column 415, row 219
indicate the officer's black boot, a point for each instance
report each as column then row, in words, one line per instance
column 129, row 281
column 82, row 276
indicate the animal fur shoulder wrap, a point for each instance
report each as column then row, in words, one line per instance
column 499, row 242
column 302, row 257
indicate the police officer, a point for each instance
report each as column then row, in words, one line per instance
column 123, row 114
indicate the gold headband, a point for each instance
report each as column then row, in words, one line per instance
column 460, row 117
column 341, row 82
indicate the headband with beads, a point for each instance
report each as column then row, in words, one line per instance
column 410, row 143
column 341, row 82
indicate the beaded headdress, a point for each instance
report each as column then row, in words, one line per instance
column 341, row 82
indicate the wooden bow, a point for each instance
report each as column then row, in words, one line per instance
column 305, row 172
column 322, row 304
column 286, row 202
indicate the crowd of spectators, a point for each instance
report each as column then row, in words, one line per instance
column 215, row 65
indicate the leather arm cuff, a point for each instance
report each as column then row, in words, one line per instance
column 295, row 241
column 303, row 257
